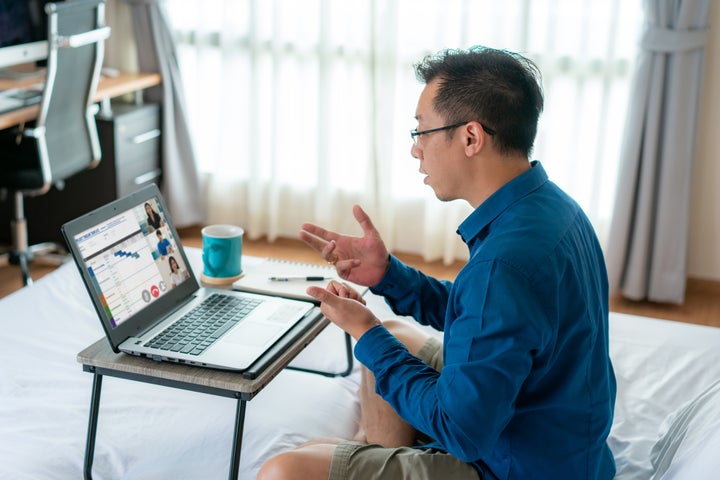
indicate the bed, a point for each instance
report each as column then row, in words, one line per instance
column 667, row 421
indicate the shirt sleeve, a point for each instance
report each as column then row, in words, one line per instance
column 488, row 352
column 410, row 292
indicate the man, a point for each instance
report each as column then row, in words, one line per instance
column 522, row 386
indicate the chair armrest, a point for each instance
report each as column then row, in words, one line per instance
column 81, row 39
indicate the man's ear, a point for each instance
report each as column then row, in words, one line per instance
column 475, row 138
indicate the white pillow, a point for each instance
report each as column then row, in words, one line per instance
column 690, row 440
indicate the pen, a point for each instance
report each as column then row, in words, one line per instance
column 306, row 279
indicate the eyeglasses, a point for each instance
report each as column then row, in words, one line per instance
column 414, row 134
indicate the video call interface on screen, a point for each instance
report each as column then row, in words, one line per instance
column 132, row 260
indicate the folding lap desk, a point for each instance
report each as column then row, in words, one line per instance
column 100, row 360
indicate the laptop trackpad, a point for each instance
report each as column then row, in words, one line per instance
column 253, row 334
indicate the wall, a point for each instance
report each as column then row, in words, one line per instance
column 120, row 51
column 704, row 241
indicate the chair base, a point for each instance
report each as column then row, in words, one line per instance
column 48, row 253
column 21, row 254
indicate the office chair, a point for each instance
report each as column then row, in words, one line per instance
column 63, row 140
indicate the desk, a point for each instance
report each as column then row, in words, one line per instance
column 108, row 88
column 100, row 360
column 91, row 188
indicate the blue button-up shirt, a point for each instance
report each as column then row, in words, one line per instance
column 527, row 389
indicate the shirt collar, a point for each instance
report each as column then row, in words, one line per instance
column 508, row 194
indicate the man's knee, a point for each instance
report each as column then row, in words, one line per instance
column 277, row 467
column 408, row 334
column 280, row 467
column 307, row 462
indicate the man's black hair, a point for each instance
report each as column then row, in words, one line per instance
column 497, row 88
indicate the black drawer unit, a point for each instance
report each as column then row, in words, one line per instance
column 130, row 139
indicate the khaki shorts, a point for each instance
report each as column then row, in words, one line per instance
column 353, row 460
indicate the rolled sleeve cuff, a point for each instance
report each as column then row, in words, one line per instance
column 376, row 345
column 391, row 283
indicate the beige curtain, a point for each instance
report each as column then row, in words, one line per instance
column 300, row 108
column 155, row 52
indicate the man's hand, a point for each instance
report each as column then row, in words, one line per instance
column 345, row 308
column 343, row 290
column 362, row 260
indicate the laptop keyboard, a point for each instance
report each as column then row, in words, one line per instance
column 198, row 329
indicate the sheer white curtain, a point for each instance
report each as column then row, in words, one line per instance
column 301, row 108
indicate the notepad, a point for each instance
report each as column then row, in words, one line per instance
column 257, row 278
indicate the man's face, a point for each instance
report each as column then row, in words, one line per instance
column 442, row 160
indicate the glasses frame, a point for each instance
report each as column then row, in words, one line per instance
column 415, row 133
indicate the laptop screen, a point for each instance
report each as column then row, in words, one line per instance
column 132, row 259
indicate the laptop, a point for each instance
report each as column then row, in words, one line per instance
column 16, row 98
column 152, row 305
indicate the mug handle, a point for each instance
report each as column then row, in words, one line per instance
column 207, row 260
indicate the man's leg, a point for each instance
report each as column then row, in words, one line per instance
column 378, row 421
column 309, row 461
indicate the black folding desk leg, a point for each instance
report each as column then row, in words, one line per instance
column 237, row 439
column 350, row 362
column 92, row 430
column 92, row 426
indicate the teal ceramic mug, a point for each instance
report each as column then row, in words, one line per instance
column 222, row 251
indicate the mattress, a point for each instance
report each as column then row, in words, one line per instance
column 149, row 431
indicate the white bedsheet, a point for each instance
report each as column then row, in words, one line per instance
column 149, row 432
column 659, row 365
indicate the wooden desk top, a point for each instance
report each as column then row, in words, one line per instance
column 100, row 355
column 108, row 87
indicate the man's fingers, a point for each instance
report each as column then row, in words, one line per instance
column 322, row 295
column 316, row 231
column 363, row 219
column 328, row 253
column 340, row 289
column 343, row 290
column 326, row 247
column 312, row 241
